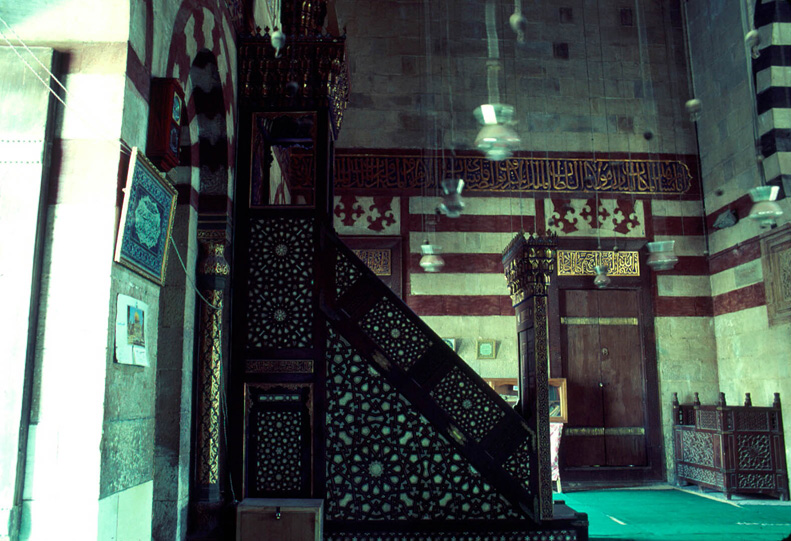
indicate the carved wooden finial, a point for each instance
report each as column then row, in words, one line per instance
column 721, row 401
column 747, row 400
column 696, row 400
column 776, row 402
column 675, row 400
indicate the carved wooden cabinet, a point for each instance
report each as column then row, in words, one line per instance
column 733, row 449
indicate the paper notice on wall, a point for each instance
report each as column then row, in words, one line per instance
column 130, row 331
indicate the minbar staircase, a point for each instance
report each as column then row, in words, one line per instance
column 374, row 414
column 337, row 391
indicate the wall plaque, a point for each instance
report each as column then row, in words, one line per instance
column 776, row 260
column 376, row 259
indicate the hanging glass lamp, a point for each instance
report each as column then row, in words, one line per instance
column 496, row 139
column 765, row 210
column 662, row 255
column 601, row 280
column 452, row 203
column 431, row 260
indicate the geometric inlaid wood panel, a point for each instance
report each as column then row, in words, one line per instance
column 278, row 440
column 280, row 283
column 385, row 460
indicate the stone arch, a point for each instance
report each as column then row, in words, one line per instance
column 202, row 31
column 201, row 56
column 206, row 104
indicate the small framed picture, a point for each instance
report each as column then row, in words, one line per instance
column 146, row 219
column 486, row 348
column 451, row 343
column 558, row 408
column 130, row 331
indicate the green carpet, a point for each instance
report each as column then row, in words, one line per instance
column 678, row 516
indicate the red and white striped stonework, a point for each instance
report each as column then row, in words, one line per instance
column 197, row 33
column 472, row 244
column 469, row 298
column 683, row 291
column 772, row 71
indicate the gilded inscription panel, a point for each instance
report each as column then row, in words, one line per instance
column 376, row 259
column 582, row 262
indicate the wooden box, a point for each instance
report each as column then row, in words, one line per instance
column 164, row 123
column 281, row 519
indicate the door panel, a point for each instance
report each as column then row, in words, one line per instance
column 585, row 409
column 621, row 375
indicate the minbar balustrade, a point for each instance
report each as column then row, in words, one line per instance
column 529, row 263
column 311, row 73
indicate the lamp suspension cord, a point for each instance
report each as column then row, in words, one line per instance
column 427, row 74
column 693, row 93
column 450, row 84
column 517, row 183
column 671, row 53
column 274, row 8
column 647, row 85
column 633, row 172
column 594, row 175
column 449, row 71
column 493, row 47
column 606, row 125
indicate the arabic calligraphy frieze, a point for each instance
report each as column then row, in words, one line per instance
column 582, row 262
column 567, row 175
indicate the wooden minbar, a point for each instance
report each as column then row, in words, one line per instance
column 732, row 449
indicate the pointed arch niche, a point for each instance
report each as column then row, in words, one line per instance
column 190, row 334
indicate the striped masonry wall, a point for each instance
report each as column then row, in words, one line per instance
column 772, row 76
column 683, row 323
column 469, row 298
column 751, row 354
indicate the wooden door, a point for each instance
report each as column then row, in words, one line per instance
column 602, row 357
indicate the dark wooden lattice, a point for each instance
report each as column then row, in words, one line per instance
column 735, row 449
column 389, row 326
column 280, row 308
column 278, row 442
column 475, row 411
column 385, row 461
column 405, row 438
column 345, row 274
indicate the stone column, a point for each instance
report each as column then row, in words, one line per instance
column 213, row 271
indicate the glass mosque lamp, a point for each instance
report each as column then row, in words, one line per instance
column 431, row 260
column 601, row 280
column 452, row 203
column 661, row 255
column 765, row 209
column 496, row 139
